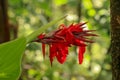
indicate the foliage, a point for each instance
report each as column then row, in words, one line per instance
column 10, row 59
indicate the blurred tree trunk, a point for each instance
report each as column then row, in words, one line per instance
column 115, row 38
column 79, row 9
column 4, row 29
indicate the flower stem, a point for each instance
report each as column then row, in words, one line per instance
column 34, row 34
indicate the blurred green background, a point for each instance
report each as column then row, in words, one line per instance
column 29, row 15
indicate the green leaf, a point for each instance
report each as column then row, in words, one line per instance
column 11, row 54
column 10, row 58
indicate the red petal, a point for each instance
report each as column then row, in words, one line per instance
column 61, row 58
column 62, row 53
column 41, row 36
column 53, row 52
column 43, row 49
column 80, row 55
column 78, row 42
column 69, row 37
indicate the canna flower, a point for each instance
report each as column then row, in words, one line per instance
column 65, row 37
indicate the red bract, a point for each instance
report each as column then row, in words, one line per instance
column 59, row 50
column 80, row 54
column 65, row 37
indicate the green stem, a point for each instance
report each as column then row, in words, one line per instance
column 33, row 35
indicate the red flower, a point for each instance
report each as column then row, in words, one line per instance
column 64, row 37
